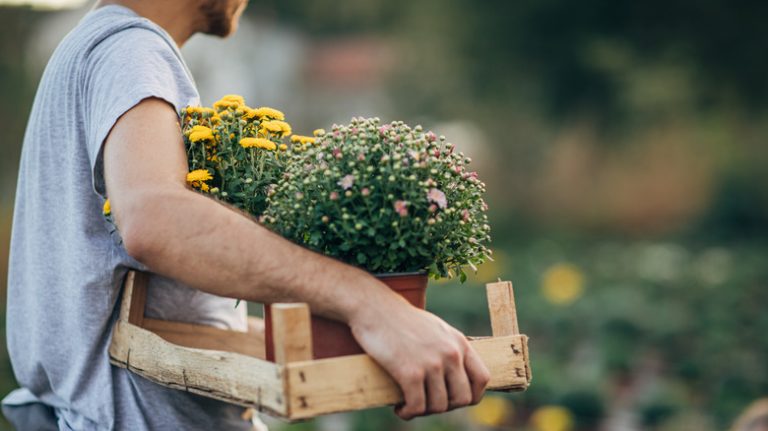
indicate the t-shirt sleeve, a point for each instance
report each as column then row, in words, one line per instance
column 124, row 69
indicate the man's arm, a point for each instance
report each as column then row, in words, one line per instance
column 186, row 236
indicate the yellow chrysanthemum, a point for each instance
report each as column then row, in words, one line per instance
column 283, row 147
column 232, row 101
column 276, row 126
column 491, row 412
column 262, row 143
column 199, row 175
column 266, row 112
column 302, row 139
column 107, row 210
column 562, row 284
column 318, row 132
column 200, row 133
column 552, row 418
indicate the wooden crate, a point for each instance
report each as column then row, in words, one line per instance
column 230, row 365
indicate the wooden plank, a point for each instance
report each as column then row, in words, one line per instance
column 127, row 296
column 357, row 382
column 501, row 304
column 226, row 376
column 138, row 297
column 292, row 333
column 208, row 337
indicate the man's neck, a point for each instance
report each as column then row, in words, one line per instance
column 179, row 18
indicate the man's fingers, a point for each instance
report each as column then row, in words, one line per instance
column 412, row 384
column 478, row 374
column 437, row 393
column 459, row 389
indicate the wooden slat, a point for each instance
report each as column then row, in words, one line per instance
column 138, row 282
column 208, row 337
column 292, row 333
column 127, row 296
column 501, row 304
column 357, row 382
column 226, row 376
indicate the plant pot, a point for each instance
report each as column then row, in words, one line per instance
column 331, row 338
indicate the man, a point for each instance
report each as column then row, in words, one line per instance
column 105, row 123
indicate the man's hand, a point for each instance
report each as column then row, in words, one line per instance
column 432, row 362
column 180, row 234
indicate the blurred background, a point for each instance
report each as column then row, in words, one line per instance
column 625, row 149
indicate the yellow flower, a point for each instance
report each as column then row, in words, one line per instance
column 276, row 126
column 262, row 143
column 107, row 210
column 302, row 139
column 492, row 411
column 283, row 147
column 266, row 112
column 232, row 101
column 563, row 283
column 200, row 133
column 199, row 175
column 552, row 418
column 318, row 132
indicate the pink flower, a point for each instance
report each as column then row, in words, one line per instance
column 346, row 182
column 333, row 196
column 383, row 129
column 465, row 215
column 438, row 197
column 432, row 208
column 365, row 191
column 430, row 136
column 361, row 157
column 401, row 207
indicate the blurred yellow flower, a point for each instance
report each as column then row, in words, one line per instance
column 318, row 132
column 266, row 112
column 302, row 139
column 262, row 143
column 107, row 210
column 276, row 126
column 562, row 284
column 492, row 411
column 283, row 147
column 200, row 133
column 552, row 418
column 199, row 175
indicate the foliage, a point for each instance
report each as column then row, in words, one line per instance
column 388, row 198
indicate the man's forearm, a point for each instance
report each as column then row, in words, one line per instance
column 188, row 237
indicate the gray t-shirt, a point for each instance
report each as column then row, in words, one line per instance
column 67, row 263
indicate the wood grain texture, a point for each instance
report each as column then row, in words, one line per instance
column 292, row 333
column 226, row 376
column 501, row 305
column 208, row 337
column 138, row 301
column 357, row 382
